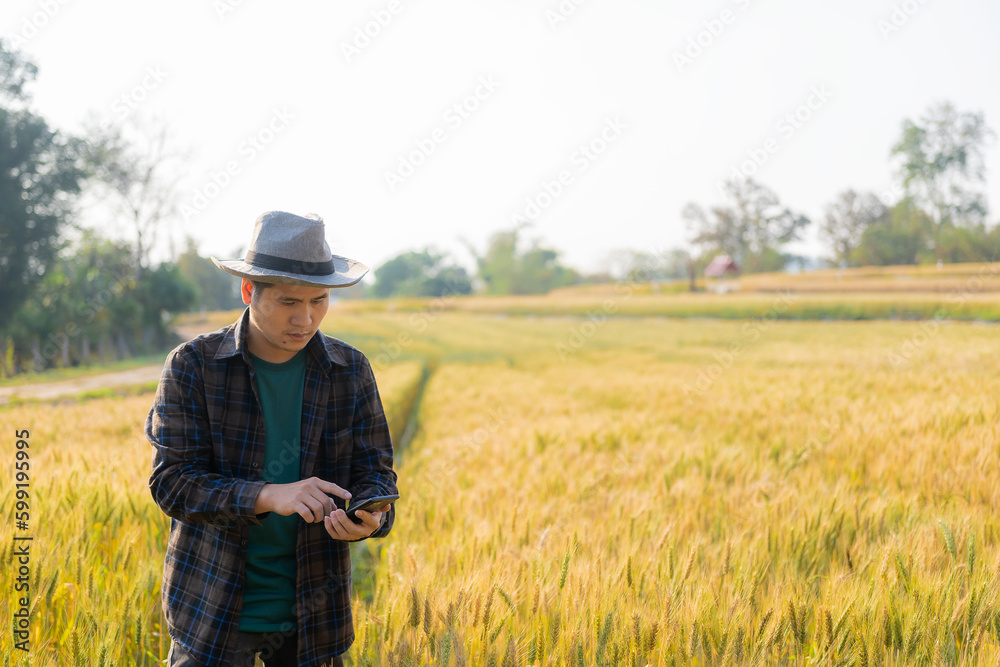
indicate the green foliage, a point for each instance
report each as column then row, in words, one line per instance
column 217, row 290
column 846, row 220
column 417, row 274
column 941, row 159
column 165, row 291
column 904, row 237
column 970, row 243
column 767, row 259
column 751, row 229
column 38, row 176
column 90, row 304
column 507, row 268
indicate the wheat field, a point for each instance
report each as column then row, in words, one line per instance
column 600, row 491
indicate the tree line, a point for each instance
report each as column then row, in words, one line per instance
column 935, row 212
column 75, row 297
column 70, row 295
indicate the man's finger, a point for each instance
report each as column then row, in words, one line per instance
column 331, row 527
column 305, row 512
column 337, row 528
column 373, row 520
column 317, row 507
column 341, row 527
column 330, row 487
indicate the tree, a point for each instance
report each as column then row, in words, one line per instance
column 942, row 163
column 39, row 178
column 217, row 290
column 505, row 267
column 420, row 274
column 969, row 243
column 90, row 300
column 847, row 217
column 84, row 299
column 131, row 165
column 903, row 237
column 642, row 265
column 750, row 230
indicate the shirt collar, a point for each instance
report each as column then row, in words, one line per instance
column 234, row 343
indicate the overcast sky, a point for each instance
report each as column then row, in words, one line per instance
column 423, row 122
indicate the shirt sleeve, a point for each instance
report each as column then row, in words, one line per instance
column 371, row 459
column 184, row 483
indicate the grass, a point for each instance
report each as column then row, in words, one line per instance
column 816, row 502
column 632, row 300
column 73, row 372
column 625, row 491
column 98, row 538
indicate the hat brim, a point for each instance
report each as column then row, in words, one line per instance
column 347, row 272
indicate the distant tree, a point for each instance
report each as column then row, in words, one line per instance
column 768, row 259
column 420, row 274
column 974, row 242
column 847, row 217
column 217, row 290
column 83, row 305
column 130, row 167
column 497, row 266
column 751, row 229
column 905, row 236
column 39, row 178
column 505, row 267
column 642, row 265
column 165, row 292
column 941, row 165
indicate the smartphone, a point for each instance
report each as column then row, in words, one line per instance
column 368, row 504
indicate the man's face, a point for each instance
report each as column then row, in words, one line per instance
column 283, row 318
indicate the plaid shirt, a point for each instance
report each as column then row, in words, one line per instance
column 207, row 430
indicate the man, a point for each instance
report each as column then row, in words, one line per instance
column 261, row 431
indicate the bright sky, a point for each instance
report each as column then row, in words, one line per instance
column 452, row 118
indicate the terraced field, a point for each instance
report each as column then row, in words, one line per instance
column 586, row 490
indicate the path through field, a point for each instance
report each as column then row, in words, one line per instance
column 46, row 391
column 52, row 390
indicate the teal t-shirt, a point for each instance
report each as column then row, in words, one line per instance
column 269, row 590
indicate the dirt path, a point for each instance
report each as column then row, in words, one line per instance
column 51, row 390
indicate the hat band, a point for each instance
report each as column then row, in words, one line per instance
column 274, row 263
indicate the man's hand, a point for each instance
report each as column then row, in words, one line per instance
column 308, row 498
column 340, row 526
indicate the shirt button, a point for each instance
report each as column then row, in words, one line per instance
column 254, row 464
column 243, row 543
